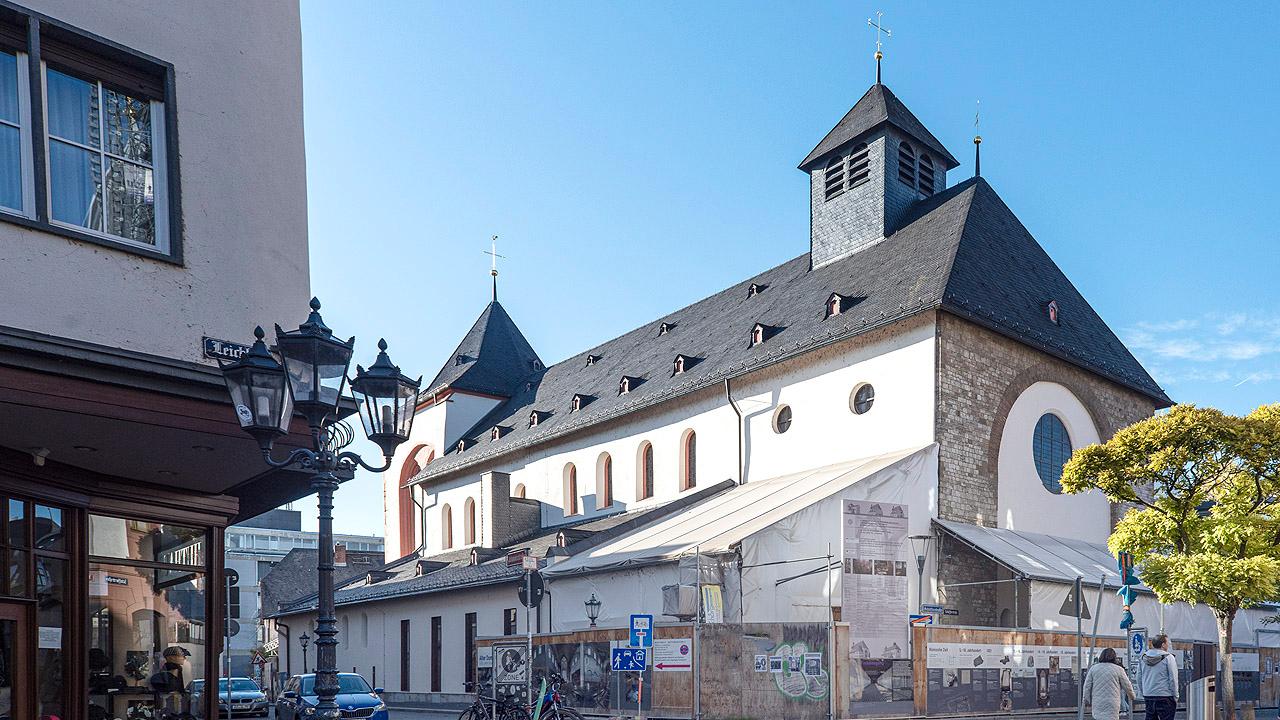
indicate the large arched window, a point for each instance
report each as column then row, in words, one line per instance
column 926, row 175
column 604, row 481
column 1051, row 448
column 413, row 465
column 519, row 491
column 834, row 177
column 689, row 460
column 644, row 471
column 469, row 522
column 446, row 527
column 570, row 490
column 907, row 164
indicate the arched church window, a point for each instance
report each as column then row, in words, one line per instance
column 834, row 177
column 862, row 398
column 926, row 176
column 519, row 491
column 689, row 461
column 446, row 527
column 859, row 166
column 644, row 472
column 1051, row 448
column 907, row 165
column 604, row 481
column 469, row 522
column 570, row 490
column 782, row 419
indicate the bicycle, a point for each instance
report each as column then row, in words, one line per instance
column 486, row 707
column 553, row 707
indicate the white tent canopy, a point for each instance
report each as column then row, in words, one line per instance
column 722, row 521
column 1040, row 557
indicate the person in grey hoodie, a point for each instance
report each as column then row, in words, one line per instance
column 1158, row 680
column 1107, row 687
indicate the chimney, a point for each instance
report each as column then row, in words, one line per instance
column 340, row 554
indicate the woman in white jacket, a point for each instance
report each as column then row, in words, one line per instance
column 1104, row 686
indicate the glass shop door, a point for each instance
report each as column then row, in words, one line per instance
column 15, row 662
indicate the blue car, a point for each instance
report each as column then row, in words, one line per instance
column 355, row 699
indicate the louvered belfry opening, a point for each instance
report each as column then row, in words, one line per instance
column 834, row 177
column 907, row 164
column 926, row 175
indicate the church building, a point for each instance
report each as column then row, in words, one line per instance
column 907, row 388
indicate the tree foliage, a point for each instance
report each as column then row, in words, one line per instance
column 1205, row 522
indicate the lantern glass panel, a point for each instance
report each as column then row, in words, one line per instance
column 408, row 397
column 260, row 398
column 317, row 369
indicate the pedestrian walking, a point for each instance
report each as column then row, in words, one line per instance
column 1107, row 686
column 1158, row 680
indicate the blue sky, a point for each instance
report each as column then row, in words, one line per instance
column 635, row 157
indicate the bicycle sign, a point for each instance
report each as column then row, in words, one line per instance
column 629, row 659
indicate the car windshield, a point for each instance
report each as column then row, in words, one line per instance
column 348, row 684
column 238, row 685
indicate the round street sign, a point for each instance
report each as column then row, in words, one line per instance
column 233, row 627
column 535, row 582
column 231, row 575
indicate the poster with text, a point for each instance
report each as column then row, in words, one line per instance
column 875, row 579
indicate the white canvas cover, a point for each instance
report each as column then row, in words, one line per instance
column 719, row 523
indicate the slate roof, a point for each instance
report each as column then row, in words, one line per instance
column 961, row 250
column 875, row 108
column 492, row 358
column 459, row 573
column 294, row 576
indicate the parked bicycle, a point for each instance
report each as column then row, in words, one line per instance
column 553, row 707
column 487, row 707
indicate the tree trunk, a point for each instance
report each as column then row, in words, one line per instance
column 1227, row 689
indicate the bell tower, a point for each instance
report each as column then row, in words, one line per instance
column 868, row 170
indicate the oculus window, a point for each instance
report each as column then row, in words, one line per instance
column 862, row 398
column 1051, row 448
column 782, row 419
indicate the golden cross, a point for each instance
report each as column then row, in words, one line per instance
column 879, row 45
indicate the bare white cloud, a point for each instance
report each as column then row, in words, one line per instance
column 1235, row 350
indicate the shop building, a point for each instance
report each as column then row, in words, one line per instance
column 152, row 212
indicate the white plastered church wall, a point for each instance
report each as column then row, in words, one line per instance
column 1024, row 502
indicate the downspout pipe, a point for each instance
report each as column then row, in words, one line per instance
column 728, row 395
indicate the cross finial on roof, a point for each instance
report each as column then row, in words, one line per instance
column 492, row 252
column 879, row 49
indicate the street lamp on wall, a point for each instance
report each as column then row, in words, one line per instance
column 310, row 380
column 593, row 608
column 920, row 548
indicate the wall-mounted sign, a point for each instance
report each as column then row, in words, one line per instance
column 113, row 580
column 223, row 349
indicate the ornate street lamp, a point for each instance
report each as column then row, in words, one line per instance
column 303, row 640
column 593, row 608
column 310, row 380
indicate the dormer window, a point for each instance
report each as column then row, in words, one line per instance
column 755, row 289
column 664, row 328
column 591, row 360
column 678, row 365
column 926, row 176
column 535, row 417
column 1052, row 310
column 757, row 334
column 837, row 304
column 834, row 178
column 624, row 385
column 463, row 444
column 498, row 431
column 460, row 360
column 536, row 364
column 907, row 165
column 576, row 403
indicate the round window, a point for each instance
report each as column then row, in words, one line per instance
column 1051, row 448
column 782, row 419
column 862, row 398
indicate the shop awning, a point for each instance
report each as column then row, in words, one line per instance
column 1039, row 557
column 723, row 520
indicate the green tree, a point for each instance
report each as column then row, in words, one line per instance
column 1205, row 522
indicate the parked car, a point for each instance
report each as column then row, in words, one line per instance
column 355, row 698
column 246, row 697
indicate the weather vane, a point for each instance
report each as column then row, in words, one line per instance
column 492, row 252
column 879, row 49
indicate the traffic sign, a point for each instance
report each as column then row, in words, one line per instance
column 673, row 655
column 1138, row 641
column 921, row 620
column 535, row 582
column 641, row 631
column 232, row 577
column 529, row 562
column 629, row 659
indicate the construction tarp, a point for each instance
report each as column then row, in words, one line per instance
column 719, row 523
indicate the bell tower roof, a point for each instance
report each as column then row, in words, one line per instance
column 877, row 107
column 493, row 358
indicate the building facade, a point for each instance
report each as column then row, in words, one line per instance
column 152, row 209
column 253, row 549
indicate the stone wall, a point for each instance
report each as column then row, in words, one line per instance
column 980, row 375
column 978, row 604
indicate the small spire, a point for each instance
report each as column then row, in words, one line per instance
column 879, row 50
column 977, row 142
column 493, row 266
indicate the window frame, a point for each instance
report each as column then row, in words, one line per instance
column 109, row 58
